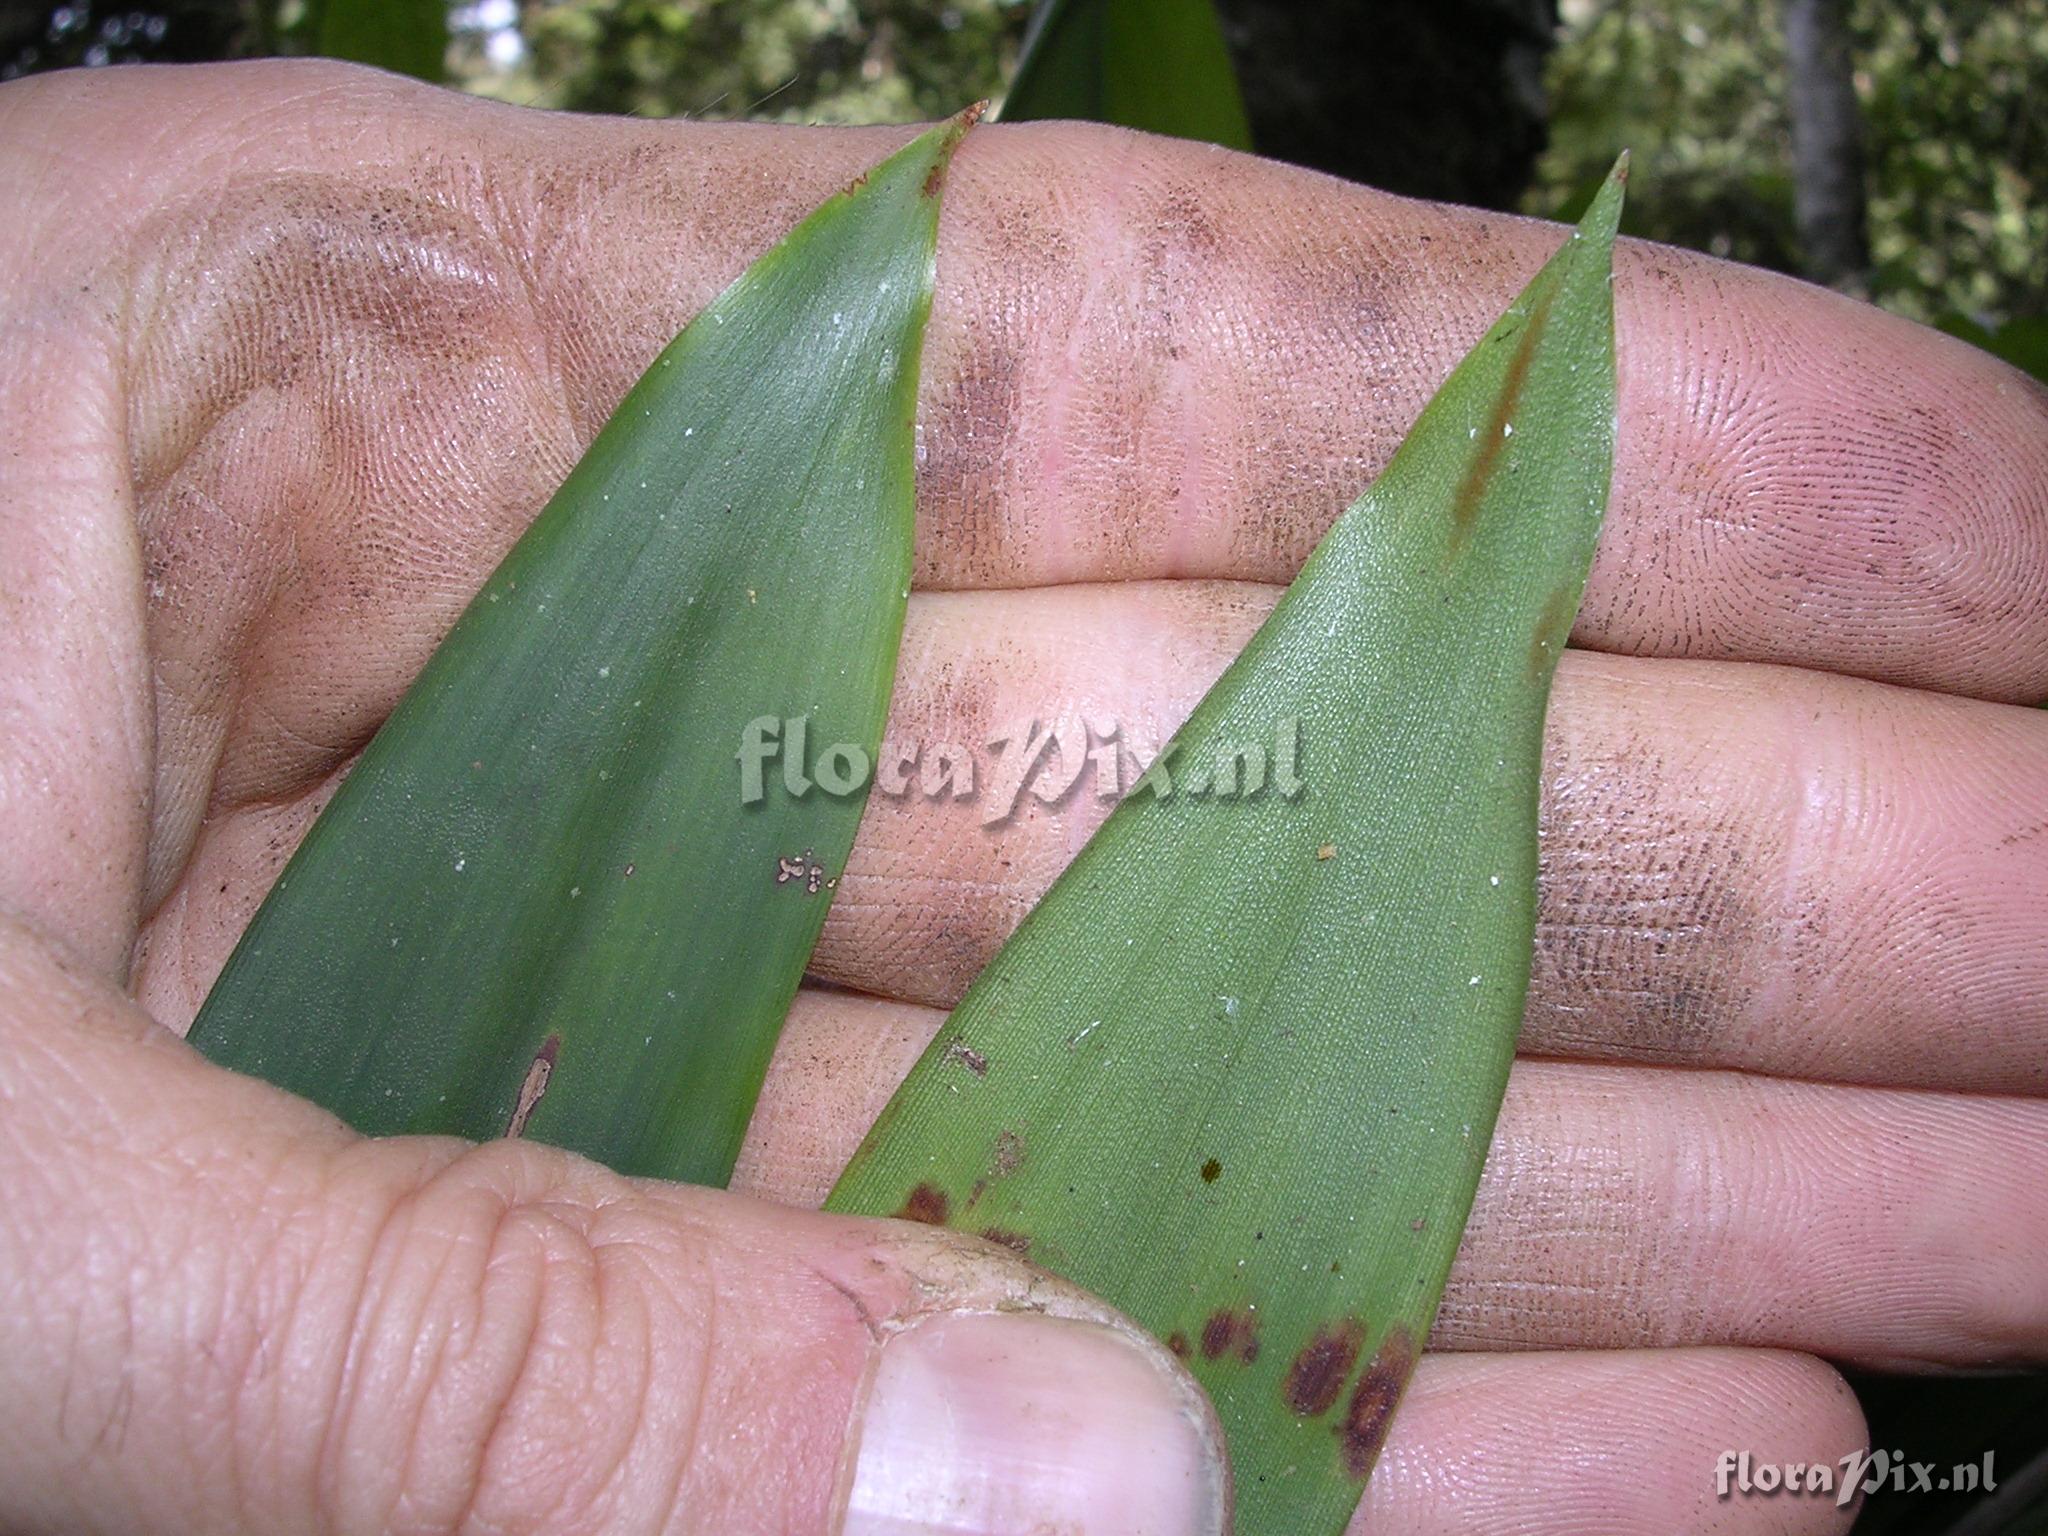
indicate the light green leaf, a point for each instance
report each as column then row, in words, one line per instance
column 539, row 902
column 1238, row 1070
column 1159, row 65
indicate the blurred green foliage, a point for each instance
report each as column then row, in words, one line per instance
column 1955, row 110
column 820, row 61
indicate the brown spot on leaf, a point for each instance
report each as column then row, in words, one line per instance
column 1364, row 1428
column 1212, row 1170
column 1016, row 1242
column 536, row 1084
column 926, row 1203
column 1231, row 1332
column 1494, row 435
column 1316, row 1376
column 1178, row 1343
column 968, row 1057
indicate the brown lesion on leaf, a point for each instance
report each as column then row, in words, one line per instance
column 1493, row 437
column 926, row 1203
column 959, row 1050
column 1316, row 1376
column 1003, row 1237
column 1553, row 628
column 1364, row 1427
column 1212, row 1170
column 1178, row 1343
column 535, row 1085
column 1231, row 1333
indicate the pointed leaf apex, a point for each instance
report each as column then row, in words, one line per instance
column 1603, row 216
column 949, row 134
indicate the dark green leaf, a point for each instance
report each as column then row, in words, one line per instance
column 1159, row 65
column 407, row 36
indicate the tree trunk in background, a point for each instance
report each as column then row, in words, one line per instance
column 1827, row 145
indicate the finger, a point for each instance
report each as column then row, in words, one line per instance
column 1218, row 355
column 228, row 1314
column 1631, row 1206
column 1774, row 869
column 1146, row 359
column 1625, row 1207
column 1741, row 866
column 1610, row 1444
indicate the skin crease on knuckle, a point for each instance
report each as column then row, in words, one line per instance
column 364, row 329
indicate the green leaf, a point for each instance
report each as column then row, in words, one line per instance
column 539, row 902
column 1238, row 1070
column 408, row 36
column 1159, row 65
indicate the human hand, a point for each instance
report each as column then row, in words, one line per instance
column 293, row 352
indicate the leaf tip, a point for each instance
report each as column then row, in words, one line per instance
column 950, row 136
column 1603, row 218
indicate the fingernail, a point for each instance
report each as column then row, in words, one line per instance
column 1010, row 1423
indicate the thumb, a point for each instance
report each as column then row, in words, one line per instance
column 227, row 1313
